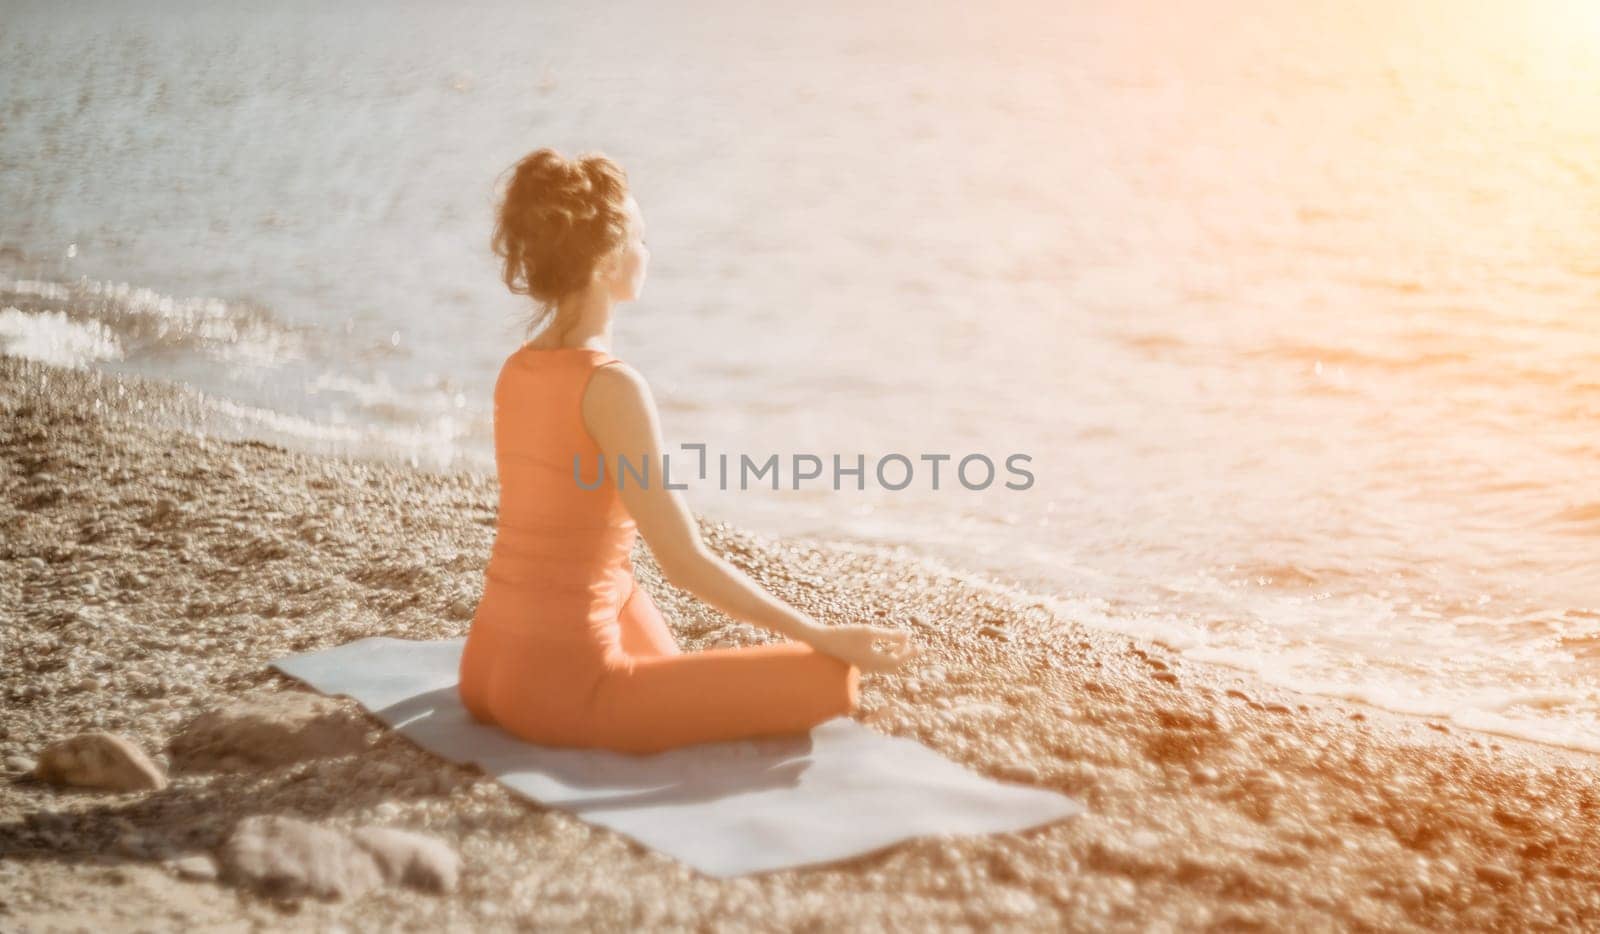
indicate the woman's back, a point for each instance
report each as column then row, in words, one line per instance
column 553, row 534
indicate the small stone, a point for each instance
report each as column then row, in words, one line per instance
column 100, row 760
column 19, row 764
column 283, row 856
column 1020, row 772
column 197, row 867
column 1497, row 875
column 1265, row 779
column 999, row 633
column 411, row 859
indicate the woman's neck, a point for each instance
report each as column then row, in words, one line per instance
column 576, row 338
column 590, row 315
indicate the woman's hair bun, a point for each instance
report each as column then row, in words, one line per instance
column 557, row 219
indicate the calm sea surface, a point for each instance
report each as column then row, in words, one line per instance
column 1294, row 308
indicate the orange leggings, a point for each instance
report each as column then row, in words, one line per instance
column 627, row 686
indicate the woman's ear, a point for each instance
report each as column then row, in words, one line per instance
column 606, row 269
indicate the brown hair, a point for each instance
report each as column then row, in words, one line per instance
column 557, row 220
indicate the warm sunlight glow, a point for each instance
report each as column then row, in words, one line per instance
column 1073, row 466
column 1572, row 26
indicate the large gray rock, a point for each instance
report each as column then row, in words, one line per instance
column 269, row 728
column 412, row 859
column 99, row 760
column 283, row 856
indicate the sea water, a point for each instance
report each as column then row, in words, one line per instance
column 1294, row 309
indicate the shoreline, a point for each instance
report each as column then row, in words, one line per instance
column 222, row 418
column 150, row 573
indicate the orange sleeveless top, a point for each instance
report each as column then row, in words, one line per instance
column 563, row 549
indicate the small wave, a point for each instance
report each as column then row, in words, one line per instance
column 1539, row 716
column 432, row 444
column 1320, row 355
column 1405, row 286
column 53, row 337
column 144, row 323
column 1587, row 514
column 1153, row 342
column 283, row 424
column 1286, row 575
column 367, row 393
column 1550, row 732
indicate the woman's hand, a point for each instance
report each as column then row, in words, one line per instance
column 857, row 645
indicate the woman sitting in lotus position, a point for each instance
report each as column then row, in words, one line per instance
column 565, row 648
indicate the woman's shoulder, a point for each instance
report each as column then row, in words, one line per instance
column 614, row 378
column 616, row 406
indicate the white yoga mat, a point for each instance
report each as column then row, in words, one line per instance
column 726, row 808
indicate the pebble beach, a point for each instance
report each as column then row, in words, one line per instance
column 149, row 573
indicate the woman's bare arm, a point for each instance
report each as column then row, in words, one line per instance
column 620, row 413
